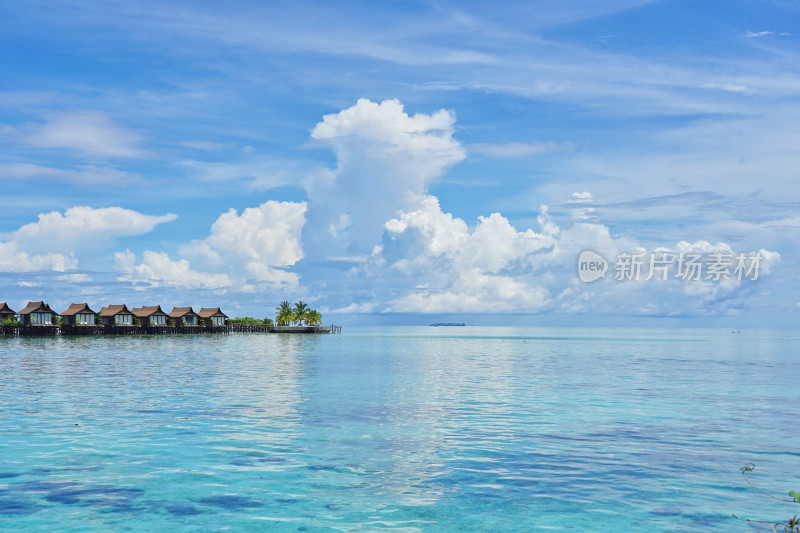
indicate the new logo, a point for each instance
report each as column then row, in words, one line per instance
column 591, row 266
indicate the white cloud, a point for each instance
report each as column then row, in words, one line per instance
column 52, row 242
column 769, row 259
column 359, row 308
column 74, row 278
column 582, row 212
column 581, row 197
column 435, row 263
column 493, row 245
column 385, row 160
column 255, row 244
column 702, row 247
column 268, row 234
column 84, row 227
column 247, row 250
column 386, row 132
column 729, row 87
column 428, row 228
column 157, row 269
column 480, row 270
column 91, row 132
column 12, row 259
column 475, row 292
column 765, row 33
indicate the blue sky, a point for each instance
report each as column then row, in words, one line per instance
column 401, row 162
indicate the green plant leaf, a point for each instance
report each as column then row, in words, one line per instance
column 795, row 495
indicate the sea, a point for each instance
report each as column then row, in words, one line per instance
column 403, row 429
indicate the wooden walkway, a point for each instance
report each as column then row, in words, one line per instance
column 51, row 330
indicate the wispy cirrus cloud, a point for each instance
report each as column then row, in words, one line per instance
column 92, row 133
column 765, row 33
column 206, row 146
column 258, row 172
column 518, row 149
column 79, row 174
column 730, row 87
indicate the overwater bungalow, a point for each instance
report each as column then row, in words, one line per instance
column 184, row 316
column 212, row 317
column 79, row 315
column 37, row 314
column 116, row 315
column 38, row 319
column 6, row 311
column 150, row 315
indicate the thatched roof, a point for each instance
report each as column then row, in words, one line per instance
column 36, row 307
column 113, row 310
column 74, row 309
column 6, row 310
column 208, row 312
column 148, row 310
column 179, row 312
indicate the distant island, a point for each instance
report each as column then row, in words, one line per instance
column 448, row 324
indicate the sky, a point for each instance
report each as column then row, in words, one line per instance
column 405, row 162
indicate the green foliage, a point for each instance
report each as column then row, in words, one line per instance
column 313, row 317
column 10, row 322
column 284, row 314
column 246, row 321
column 300, row 311
column 790, row 526
column 249, row 321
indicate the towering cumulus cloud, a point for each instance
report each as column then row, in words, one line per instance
column 385, row 161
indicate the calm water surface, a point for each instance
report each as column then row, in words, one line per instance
column 399, row 429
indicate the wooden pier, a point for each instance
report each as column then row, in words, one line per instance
column 88, row 330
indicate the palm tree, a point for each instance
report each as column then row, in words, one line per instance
column 300, row 311
column 313, row 317
column 284, row 314
column 284, row 317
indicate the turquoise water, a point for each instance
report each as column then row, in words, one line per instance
column 399, row 429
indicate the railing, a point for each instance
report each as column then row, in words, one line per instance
column 247, row 329
column 115, row 329
column 37, row 330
